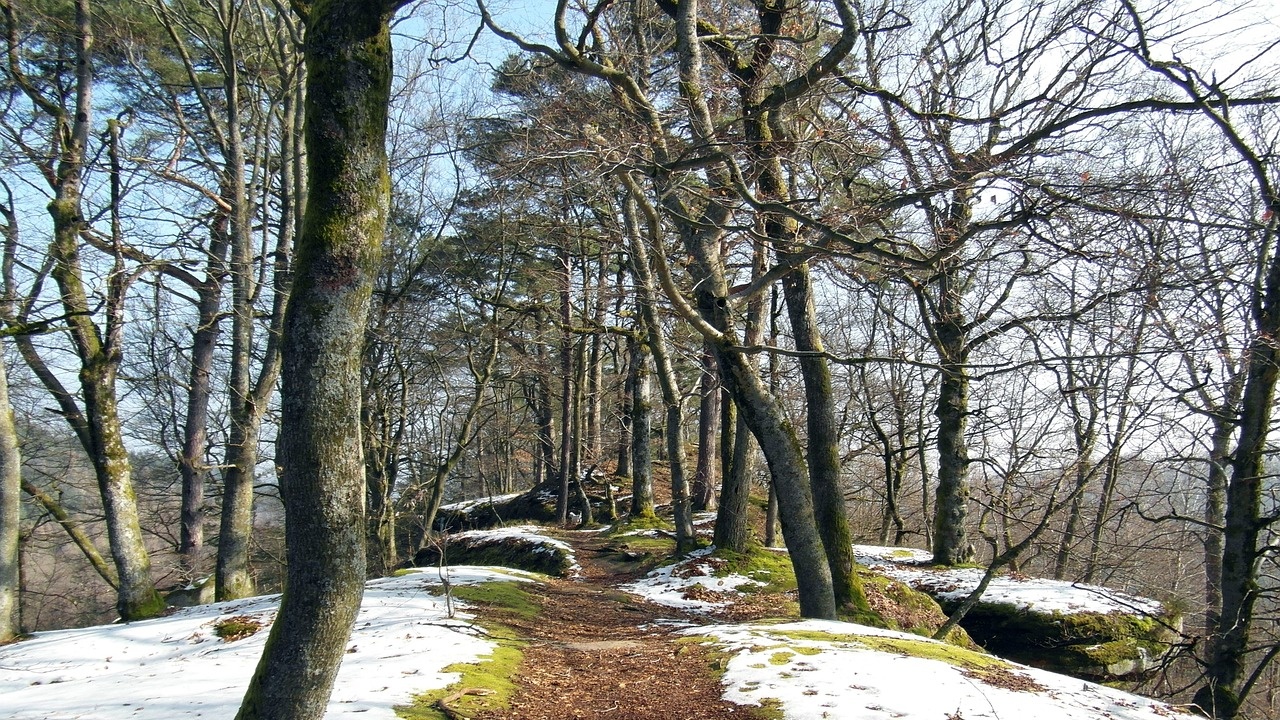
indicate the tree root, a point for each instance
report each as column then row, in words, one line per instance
column 444, row 703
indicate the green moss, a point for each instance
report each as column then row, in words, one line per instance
column 1094, row 646
column 151, row 605
column 770, row 709
column 508, row 595
column 493, row 675
column 771, row 570
column 928, row 650
column 896, row 606
column 237, row 627
column 782, row 657
column 647, row 545
column 640, row 522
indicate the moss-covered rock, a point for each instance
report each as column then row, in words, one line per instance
column 200, row 592
column 535, row 505
column 523, row 551
column 1086, row 631
column 1095, row 646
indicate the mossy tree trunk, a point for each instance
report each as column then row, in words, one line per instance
column 764, row 108
column 672, row 398
column 733, row 526
column 249, row 396
column 348, row 56
column 10, row 513
column 824, row 441
column 704, row 476
column 641, row 431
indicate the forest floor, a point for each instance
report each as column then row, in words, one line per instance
column 585, row 647
column 597, row 652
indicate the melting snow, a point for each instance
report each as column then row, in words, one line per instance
column 911, row 567
column 816, row 678
column 685, row 584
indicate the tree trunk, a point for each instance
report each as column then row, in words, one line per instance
column 623, row 468
column 195, row 436
column 824, row 440
column 704, row 477
column 667, row 381
column 566, row 383
column 641, row 432
column 951, row 544
column 97, row 349
column 10, row 514
column 733, row 523
column 233, row 577
column 381, row 436
column 248, row 399
column 348, row 57
column 1214, row 517
column 1242, row 518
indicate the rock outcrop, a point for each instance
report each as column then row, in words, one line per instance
column 1086, row 631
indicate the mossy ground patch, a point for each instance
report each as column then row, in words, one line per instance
column 487, row 684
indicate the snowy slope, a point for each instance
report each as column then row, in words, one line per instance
column 175, row 667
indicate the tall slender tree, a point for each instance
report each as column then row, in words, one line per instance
column 348, row 56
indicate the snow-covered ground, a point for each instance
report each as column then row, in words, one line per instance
column 911, row 566
column 814, row 677
column 175, row 667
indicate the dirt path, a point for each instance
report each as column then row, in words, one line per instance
column 596, row 652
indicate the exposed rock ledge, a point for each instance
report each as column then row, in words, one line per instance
column 1086, row 631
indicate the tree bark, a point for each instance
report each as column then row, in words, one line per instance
column 10, row 514
column 249, row 399
column 951, row 544
column 98, row 352
column 667, row 381
column 1242, row 518
column 566, row 383
column 824, row 440
column 348, row 56
column 195, row 435
column 641, row 432
column 733, row 526
column 1214, row 517
column 704, row 476
column 233, row 577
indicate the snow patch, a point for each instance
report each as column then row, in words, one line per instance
column 1025, row 593
column 689, row 585
column 175, row 667
column 815, row 678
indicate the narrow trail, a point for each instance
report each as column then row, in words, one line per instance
column 597, row 652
